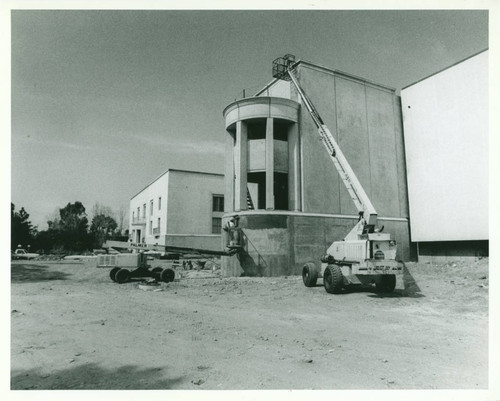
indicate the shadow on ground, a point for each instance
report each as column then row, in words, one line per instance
column 92, row 377
column 27, row 273
column 410, row 290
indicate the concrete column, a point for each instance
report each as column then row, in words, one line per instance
column 269, row 164
column 229, row 172
column 294, row 191
column 240, row 167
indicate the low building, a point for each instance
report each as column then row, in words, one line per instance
column 179, row 208
column 445, row 120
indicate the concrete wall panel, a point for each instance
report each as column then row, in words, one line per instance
column 353, row 136
column 277, row 89
column 256, row 150
column 383, row 164
column 320, row 181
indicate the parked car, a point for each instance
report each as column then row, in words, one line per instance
column 20, row 253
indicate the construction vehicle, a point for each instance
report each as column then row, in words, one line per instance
column 365, row 255
column 125, row 266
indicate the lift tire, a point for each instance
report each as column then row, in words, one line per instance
column 309, row 274
column 333, row 280
column 167, row 275
column 386, row 283
column 122, row 276
column 112, row 273
column 156, row 272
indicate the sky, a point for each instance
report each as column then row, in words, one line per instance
column 105, row 101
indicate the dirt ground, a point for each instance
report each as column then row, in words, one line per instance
column 73, row 328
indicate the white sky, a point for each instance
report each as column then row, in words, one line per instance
column 105, row 101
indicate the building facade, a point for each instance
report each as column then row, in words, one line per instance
column 446, row 136
column 179, row 208
column 282, row 184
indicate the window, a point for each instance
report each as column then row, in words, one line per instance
column 216, row 225
column 218, row 203
column 138, row 212
column 144, row 210
column 151, row 207
column 159, row 223
column 256, row 129
column 159, row 204
column 151, row 227
column 133, row 216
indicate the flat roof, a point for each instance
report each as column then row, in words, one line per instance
column 174, row 170
column 331, row 71
column 446, row 68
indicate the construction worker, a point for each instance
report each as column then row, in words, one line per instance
column 233, row 234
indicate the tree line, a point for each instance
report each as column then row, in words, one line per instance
column 68, row 230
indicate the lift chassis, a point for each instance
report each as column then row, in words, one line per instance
column 133, row 265
column 125, row 266
column 365, row 255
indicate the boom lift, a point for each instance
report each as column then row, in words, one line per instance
column 365, row 255
column 125, row 266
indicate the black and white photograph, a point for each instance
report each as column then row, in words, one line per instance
column 250, row 197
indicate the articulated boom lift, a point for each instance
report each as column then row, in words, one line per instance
column 366, row 255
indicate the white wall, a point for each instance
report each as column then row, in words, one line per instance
column 445, row 120
column 158, row 188
column 190, row 202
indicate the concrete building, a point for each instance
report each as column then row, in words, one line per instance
column 179, row 208
column 281, row 182
column 446, row 137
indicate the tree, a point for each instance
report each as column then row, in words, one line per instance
column 21, row 231
column 71, row 227
column 98, row 209
column 101, row 228
column 122, row 213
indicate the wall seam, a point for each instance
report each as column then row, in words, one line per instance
column 369, row 146
column 338, row 139
column 396, row 151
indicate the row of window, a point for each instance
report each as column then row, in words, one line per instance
column 138, row 216
column 156, row 230
column 217, row 206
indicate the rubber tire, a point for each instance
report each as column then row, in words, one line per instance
column 156, row 270
column 122, row 276
column 309, row 274
column 333, row 280
column 113, row 272
column 386, row 283
column 167, row 275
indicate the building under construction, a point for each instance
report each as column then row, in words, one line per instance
column 281, row 183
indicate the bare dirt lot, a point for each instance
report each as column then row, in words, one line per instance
column 73, row 328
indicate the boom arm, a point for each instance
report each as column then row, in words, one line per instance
column 351, row 182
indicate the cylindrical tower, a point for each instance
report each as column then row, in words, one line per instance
column 262, row 174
